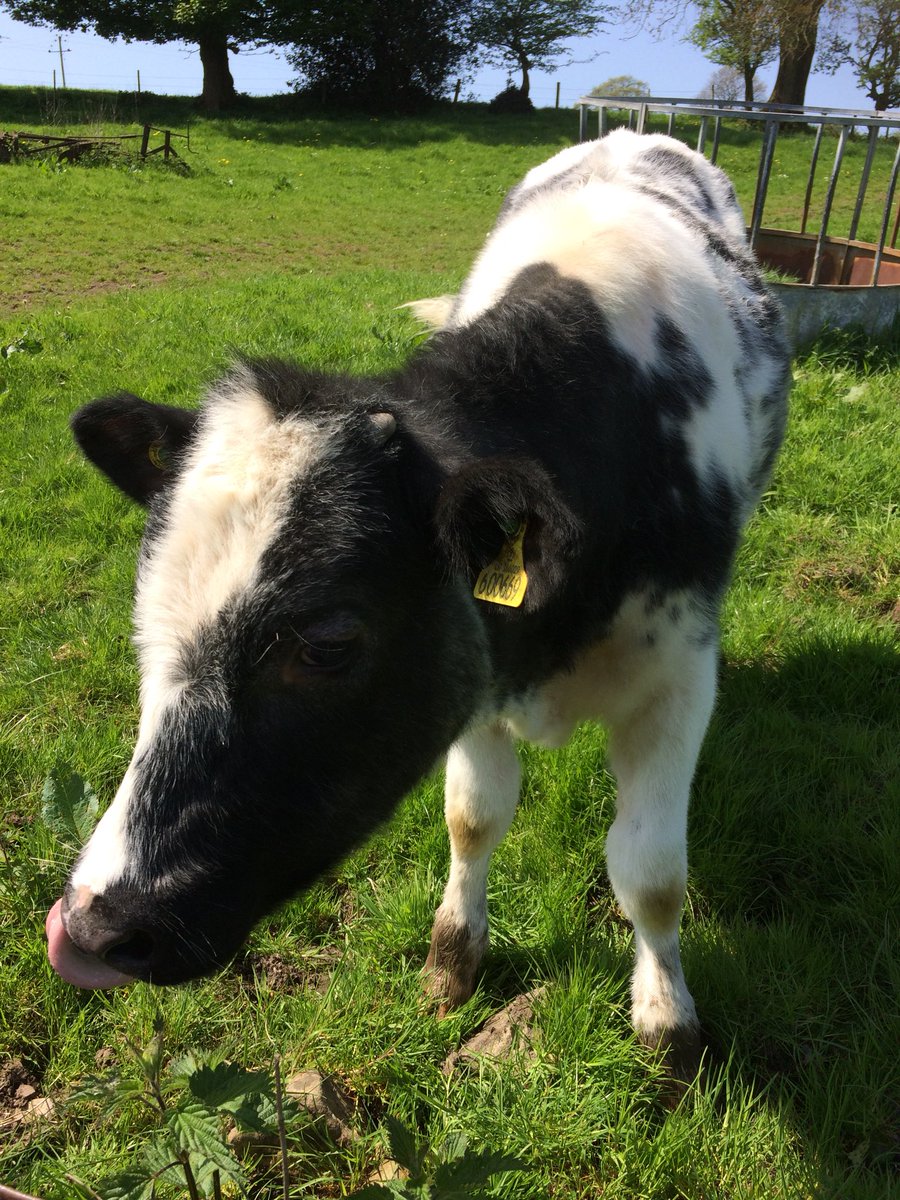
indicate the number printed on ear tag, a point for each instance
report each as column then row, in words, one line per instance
column 504, row 580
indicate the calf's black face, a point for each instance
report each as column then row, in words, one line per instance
column 304, row 660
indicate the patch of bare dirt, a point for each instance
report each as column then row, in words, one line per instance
column 311, row 972
column 21, row 1101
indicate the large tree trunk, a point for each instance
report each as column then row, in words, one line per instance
column 798, row 48
column 526, row 82
column 749, row 76
column 218, row 85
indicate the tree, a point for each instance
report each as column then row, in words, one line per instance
column 873, row 51
column 621, row 85
column 214, row 26
column 525, row 35
column 737, row 34
column 381, row 53
column 796, row 23
column 729, row 84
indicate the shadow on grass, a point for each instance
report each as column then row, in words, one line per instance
column 856, row 349
column 794, row 879
column 289, row 119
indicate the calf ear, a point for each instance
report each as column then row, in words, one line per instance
column 479, row 508
column 134, row 443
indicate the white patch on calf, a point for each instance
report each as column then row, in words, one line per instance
column 105, row 857
column 226, row 508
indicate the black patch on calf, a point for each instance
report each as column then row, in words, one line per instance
column 681, row 170
column 688, row 383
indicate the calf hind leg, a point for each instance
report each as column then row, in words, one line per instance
column 482, row 789
column 653, row 753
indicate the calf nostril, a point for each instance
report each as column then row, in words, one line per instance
column 130, row 953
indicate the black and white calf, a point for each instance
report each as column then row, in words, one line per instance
column 593, row 424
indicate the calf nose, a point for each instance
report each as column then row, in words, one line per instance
column 103, row 931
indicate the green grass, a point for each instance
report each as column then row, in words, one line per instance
column 790, row 940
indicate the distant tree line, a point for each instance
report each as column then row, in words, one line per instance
column 385, row 54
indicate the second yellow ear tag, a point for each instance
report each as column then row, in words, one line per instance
column 504, row 580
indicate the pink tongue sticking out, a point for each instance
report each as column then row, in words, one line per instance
column 76, row 967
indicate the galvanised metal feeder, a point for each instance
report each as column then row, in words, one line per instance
column 836, row 281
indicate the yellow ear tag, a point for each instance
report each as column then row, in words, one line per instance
column 504, row 581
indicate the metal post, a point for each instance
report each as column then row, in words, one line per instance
column 812, row 175
column 829, row 200
column 670, row 128
column 557, row 94
column 701, row 137
column 642, row 118
column 631, row 118
column 717, row 129
column 139, row 82
column 582, row 122
column 770, row 135
column 863, row 182
column 886, row 216
column 603, row 120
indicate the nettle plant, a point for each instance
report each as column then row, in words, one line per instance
column 452, row 1172
column 196, row 1100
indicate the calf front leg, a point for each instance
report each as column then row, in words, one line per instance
column 653, row 752
column 482, row 789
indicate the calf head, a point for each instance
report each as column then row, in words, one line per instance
column 305, row 652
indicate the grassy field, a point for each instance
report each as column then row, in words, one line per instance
column 299, row 235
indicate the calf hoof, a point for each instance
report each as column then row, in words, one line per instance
column 452, row 963
column 683, row 1050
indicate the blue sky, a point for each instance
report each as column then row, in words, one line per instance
column 29, row 54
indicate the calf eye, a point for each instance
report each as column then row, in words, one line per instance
column 326, row 656
column 320, row 649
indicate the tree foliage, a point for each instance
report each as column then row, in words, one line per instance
column 621, row 85
column 737, row 34
column 525, row 35
column 727, row 83
column 872, row 50
column 214, row 26
column 384, row 54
